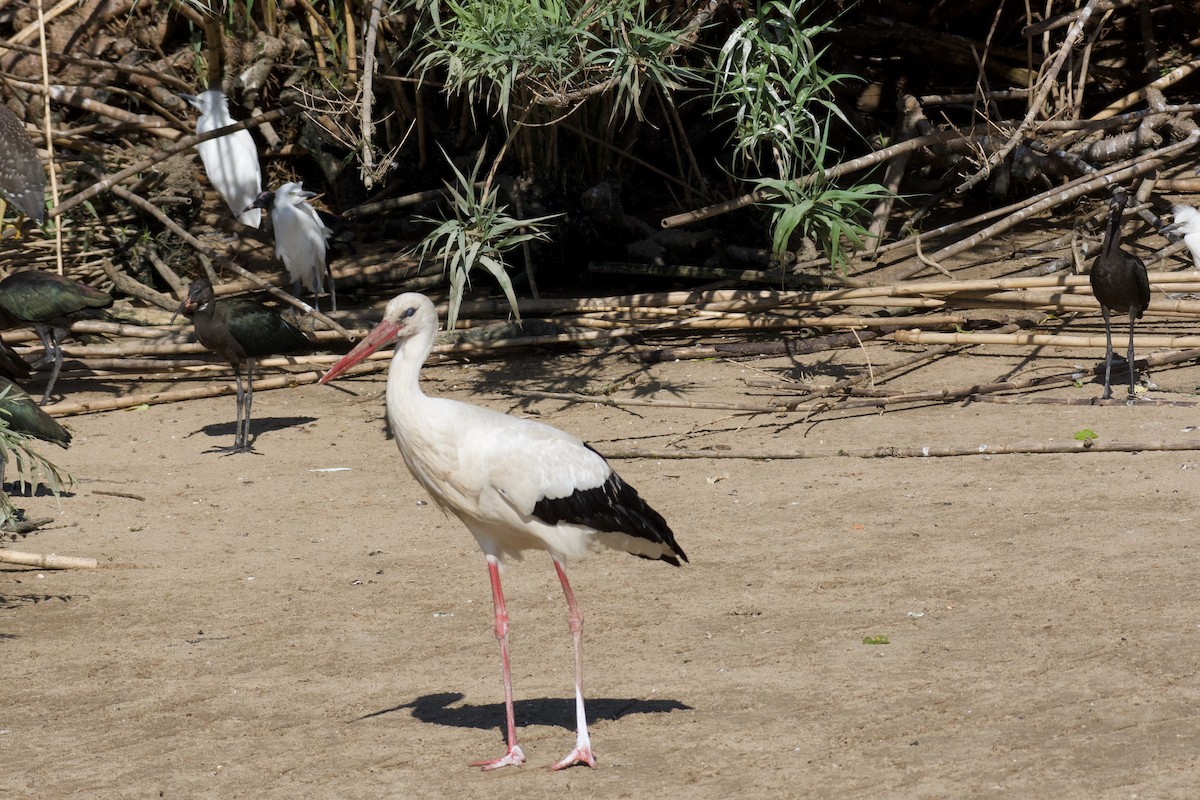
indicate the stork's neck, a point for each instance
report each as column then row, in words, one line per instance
column 404, row 395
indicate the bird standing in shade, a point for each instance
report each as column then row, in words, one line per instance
column 300, row 239
column 21, row 414
column 1187, row 222
column 516, row 484
column 231, row 161
column 239, row 330
column 22, row 176
column 49, row 303
column 1120, row 283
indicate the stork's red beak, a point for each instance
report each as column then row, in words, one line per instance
column 382, row 334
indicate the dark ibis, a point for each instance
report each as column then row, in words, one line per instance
column 49, row 303
column 22, row 176
column 300, row 239
column 21, row 414
column 12, row 366
column 516, row 484
column 1120, row 283
column 239, row 330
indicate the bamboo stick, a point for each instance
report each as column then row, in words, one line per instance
column 1040, row 339
column 66, row 409
column 918, row 451
column 46, row 560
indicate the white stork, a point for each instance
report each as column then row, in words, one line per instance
column 231, row 162
column 300, row 238
column 515, row 483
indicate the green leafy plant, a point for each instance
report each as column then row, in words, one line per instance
column 769, row 81
column 476, row 235
column 880, row 639
column 533, row 62
column 31, row 466
column 1086, row 435
column 826, row 214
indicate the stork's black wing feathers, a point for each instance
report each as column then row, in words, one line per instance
column 612, row 507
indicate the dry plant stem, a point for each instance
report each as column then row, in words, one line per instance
column 928, row 451
column 174, row 227
column 1170, row 79
column 69, row 96
column 131, row 286
column 367, row 169
column 1048, row 80
column 32, row 29
column 644, row 402
column 1140, row 166
column 47, row 127
column 880, row 375
column 879, row 156
column 164, row 78
column 66, row 409
column 1022, row 400
column 788, row 347
column 106, row 182
column 1141, row 341
column 47, row 560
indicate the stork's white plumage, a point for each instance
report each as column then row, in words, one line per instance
column 231, row 162
column 1187, row 222
column 516, row 484
column 300, row 238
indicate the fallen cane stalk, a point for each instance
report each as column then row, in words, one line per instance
column 46, row 561
column 1040, row 339
column 926, row 451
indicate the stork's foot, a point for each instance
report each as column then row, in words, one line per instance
column 582, row 754
column 513, row 758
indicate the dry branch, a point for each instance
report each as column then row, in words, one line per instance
column 920, row 451
column 1141, row 340
column 46, row 560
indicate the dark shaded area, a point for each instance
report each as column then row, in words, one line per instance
column 440, row 709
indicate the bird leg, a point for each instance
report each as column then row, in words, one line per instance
column 53, row 344
column 242, row 423
column 245, row 431
column 514, row 757
column 1108, row 354
column 1132, row 393
column 582, row 754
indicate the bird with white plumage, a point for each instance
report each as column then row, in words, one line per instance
column 516, row 484
column 1187, row 222
column 230, row 161
column 300, row 239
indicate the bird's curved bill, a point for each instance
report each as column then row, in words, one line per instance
column 184, row 307
column 382, row 334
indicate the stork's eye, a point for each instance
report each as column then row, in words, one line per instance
column 408, row 312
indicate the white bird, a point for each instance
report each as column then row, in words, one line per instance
column 515, row 483
column 300, row 238
column 1187, row 221
column 231, row 161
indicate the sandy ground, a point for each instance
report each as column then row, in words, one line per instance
column 266, row 627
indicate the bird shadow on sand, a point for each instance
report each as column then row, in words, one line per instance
column 258, row 426
column 439, row 709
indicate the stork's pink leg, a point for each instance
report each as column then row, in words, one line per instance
column 582, row 754
column 514, row 757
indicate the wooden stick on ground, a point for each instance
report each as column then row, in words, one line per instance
column 46, row 560
column 925, row 451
